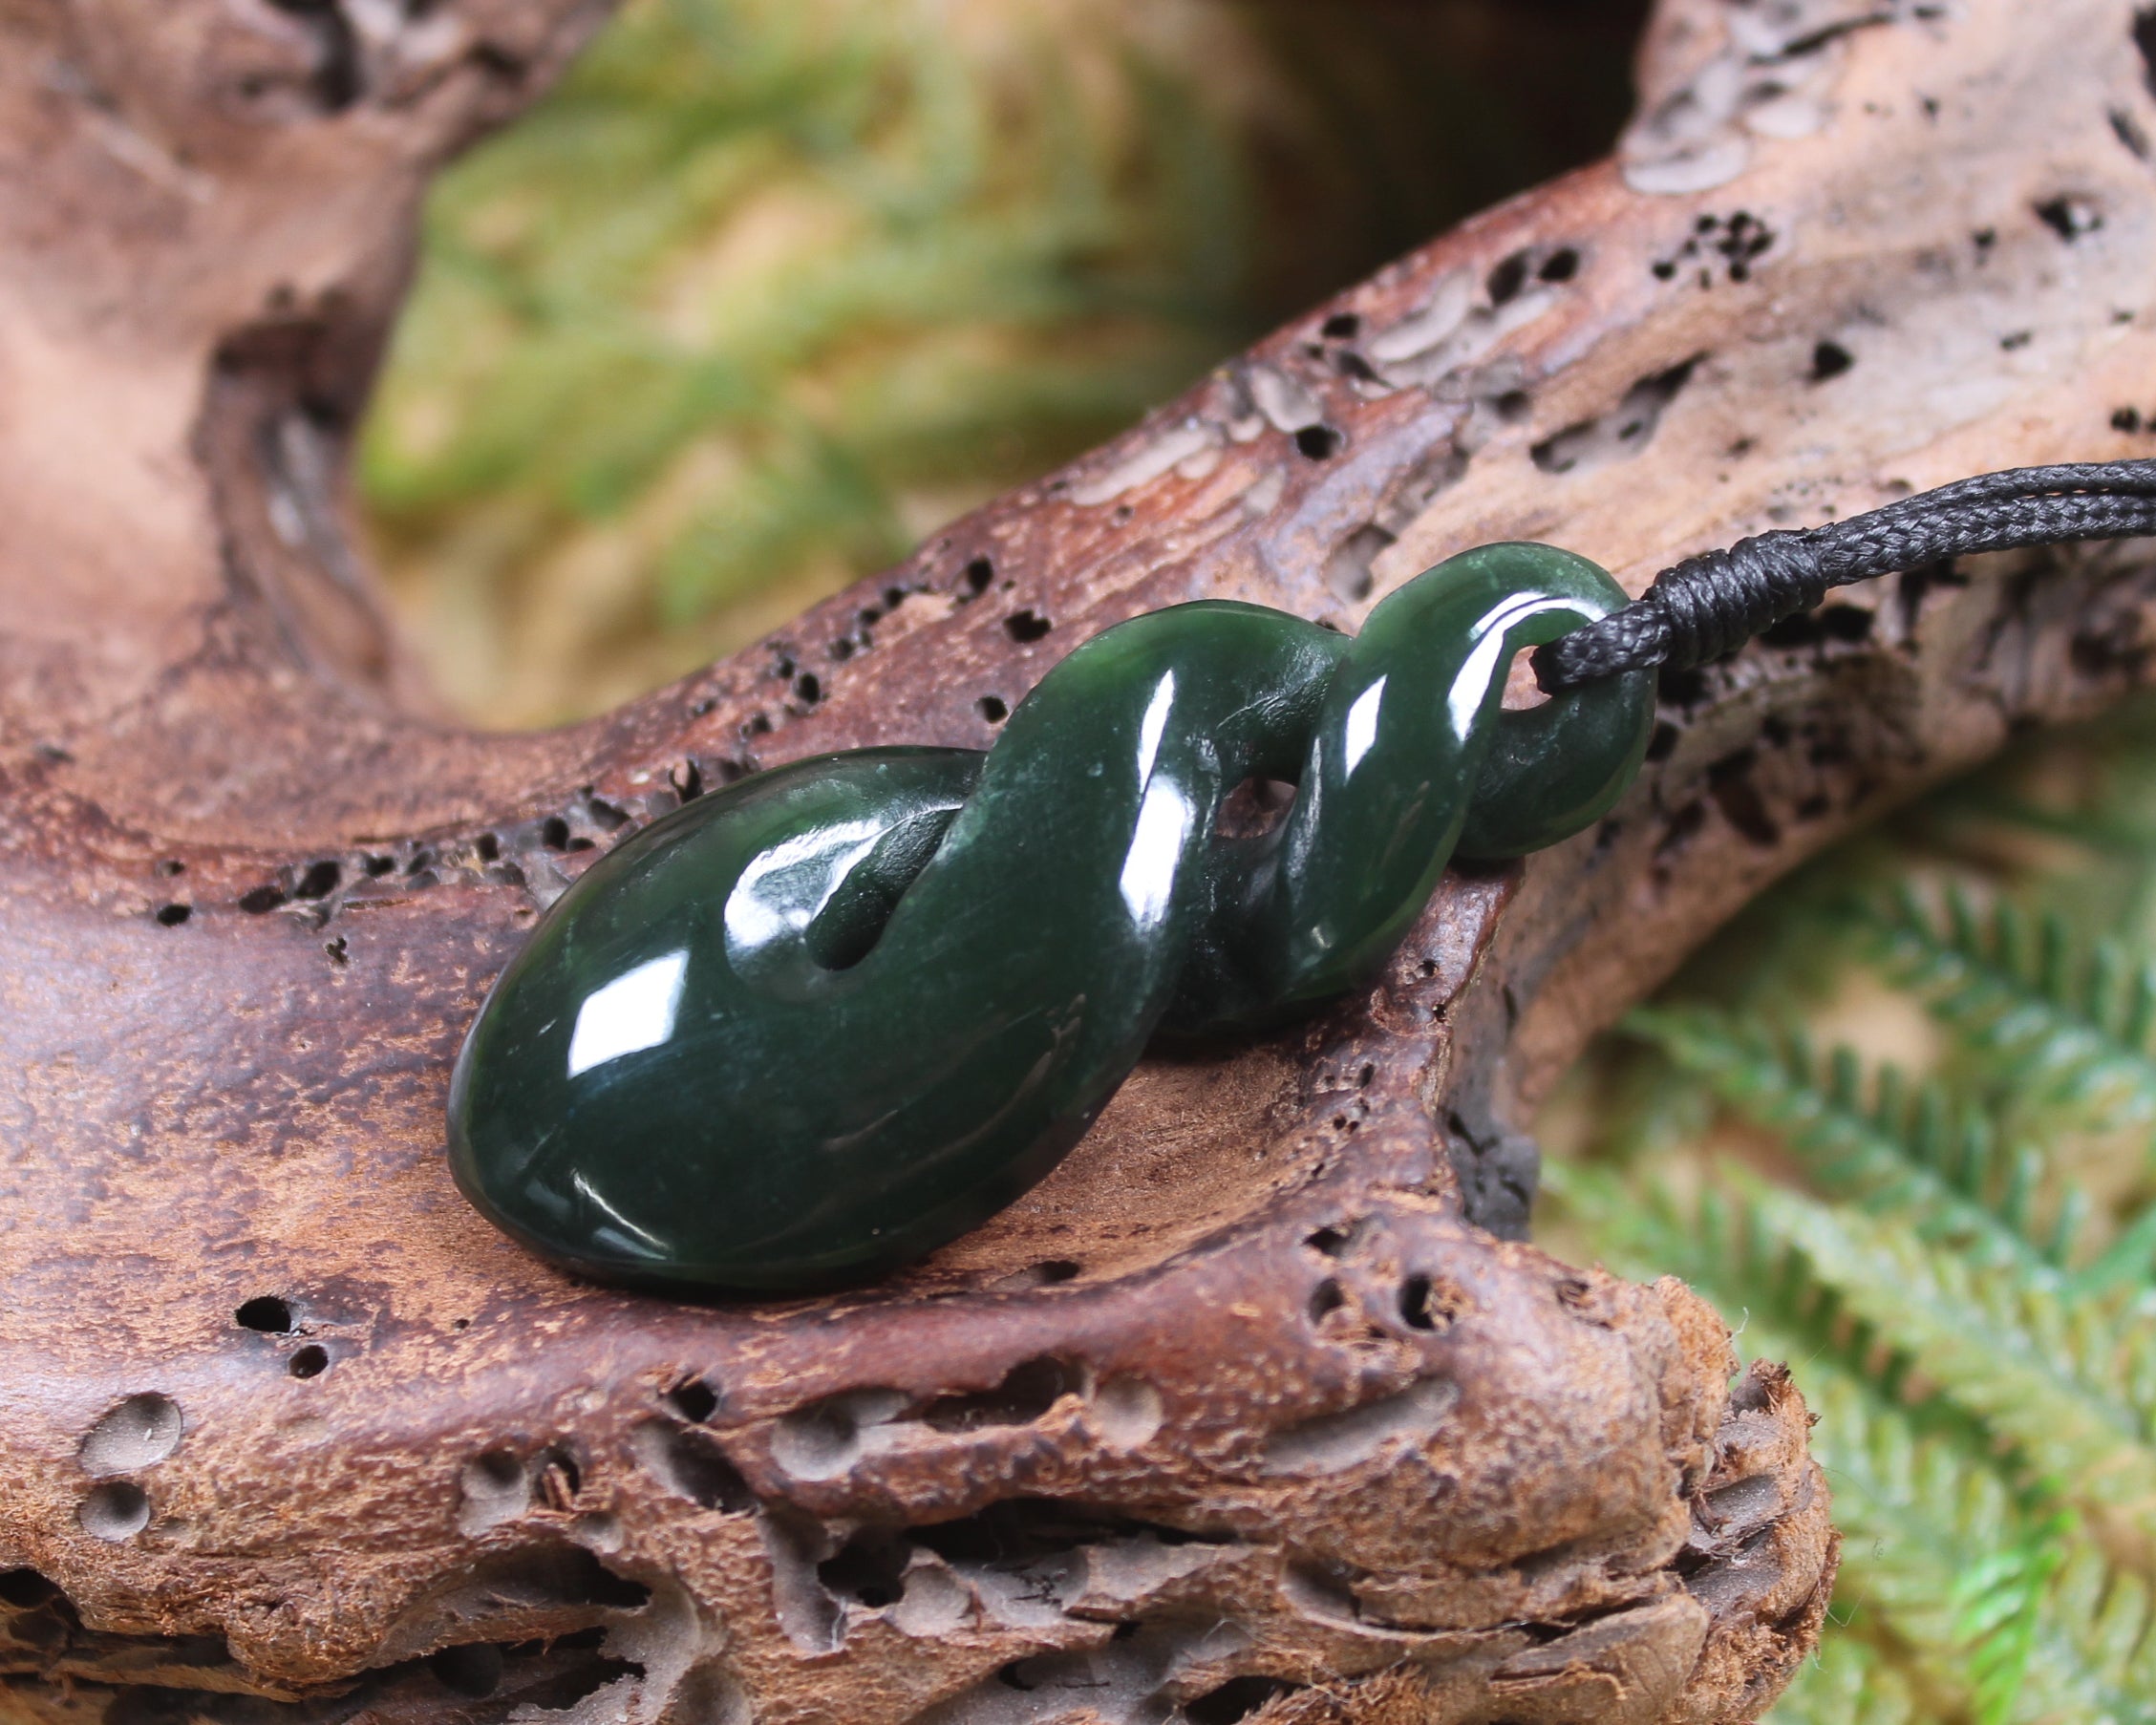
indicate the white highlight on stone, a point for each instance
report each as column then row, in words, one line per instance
column 1362, row 724
column 633, row 1013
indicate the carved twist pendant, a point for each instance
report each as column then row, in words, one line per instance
column 815, row 1025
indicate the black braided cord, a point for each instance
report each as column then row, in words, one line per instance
column 1711, row 604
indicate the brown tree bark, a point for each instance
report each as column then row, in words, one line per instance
column 1257, row 1408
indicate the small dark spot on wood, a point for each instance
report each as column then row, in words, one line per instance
column 171, row 916
column 1026, row 626
column 693, row 1399
column 1681, row 826
column 1617, row 435
column 266, row 1314
column 2126, row 419
column 1561, row 266
column 319, row 881
column 170, row 866
column 692, row 1464
column 808, row 687
column 474, row 1670
column 869, row 1568
column 1029, row 1390
column 1236, row 1700
column 991, row 709
column 27, row 1590
column 1507, row 279
column 1325, row 1299
column 309, row 1361
column 1341, row 326
column 2069, row 217
column 339, row 953
column 2144, row 33
column 1730, row 783
column 1320, row 442
column 262, row 899
column 1829, row 360
column 979, row 572
column 1348, row 568
column 2015, row 339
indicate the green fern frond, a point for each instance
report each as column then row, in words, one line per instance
column 2073, row 1024
column 1918, row 1152
column 2093, row 1654
column 1999, row 1605
column 2064, row 1381
column 1922, row 1494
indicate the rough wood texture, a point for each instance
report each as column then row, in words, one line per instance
column 1248, row 1410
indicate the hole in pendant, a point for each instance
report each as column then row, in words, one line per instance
column 1520, row 690
column 1255, row 808
column 309, row 1361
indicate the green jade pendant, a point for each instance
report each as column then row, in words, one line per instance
column 811, row 1027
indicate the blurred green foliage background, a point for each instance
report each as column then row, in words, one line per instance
column 771, row 288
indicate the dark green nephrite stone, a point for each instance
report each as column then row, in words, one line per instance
column 816, row 1024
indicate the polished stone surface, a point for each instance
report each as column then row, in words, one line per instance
column 814, row 1025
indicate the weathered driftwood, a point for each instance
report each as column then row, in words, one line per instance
column 1241, row 1411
